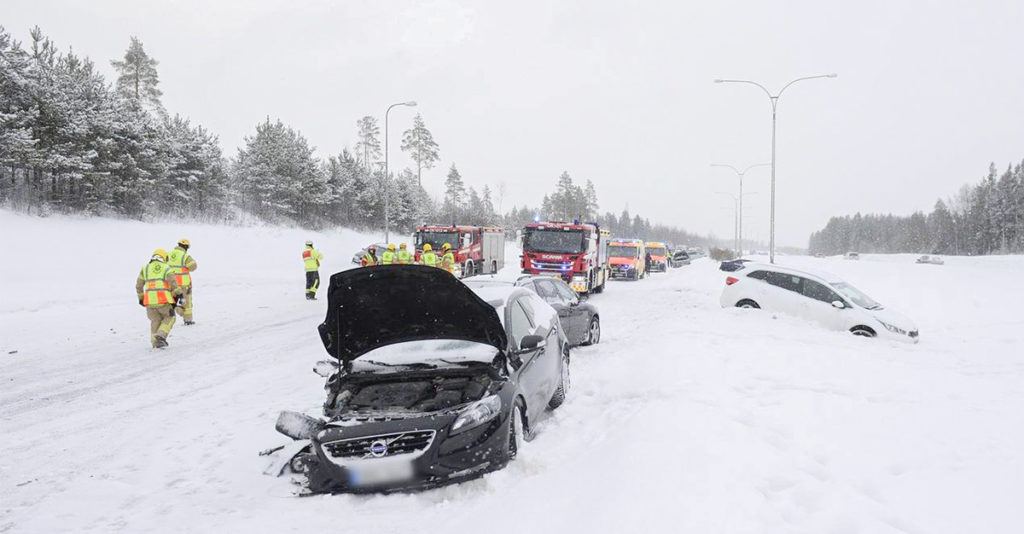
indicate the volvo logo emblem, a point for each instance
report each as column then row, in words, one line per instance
column 379, row 448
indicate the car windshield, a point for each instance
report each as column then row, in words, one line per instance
column 622, row 251
column 554, row 241
column 436, row 239
column 657, row 251
column 856, row 296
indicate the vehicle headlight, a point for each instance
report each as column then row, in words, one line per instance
column 893, row 329
column 477, row 413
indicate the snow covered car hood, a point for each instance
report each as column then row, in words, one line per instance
column 373, row 307
column 898, row 320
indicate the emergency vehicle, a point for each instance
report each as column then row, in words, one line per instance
column 575, row 252
column 627, row 258
column 659, row 255
column 477, row 249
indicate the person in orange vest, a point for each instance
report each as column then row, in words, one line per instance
column 312, row 257
column 182, row 264
column 158, row 292
column 370, row 258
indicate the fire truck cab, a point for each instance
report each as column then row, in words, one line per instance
column 477, row 249
column 577, row 253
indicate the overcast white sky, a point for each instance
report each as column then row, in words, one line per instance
column 620, row 94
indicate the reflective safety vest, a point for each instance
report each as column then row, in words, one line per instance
column 311, row 257
column 405, row 257
column 387, row 258
column 156, row 291
column 448, row 262
column 369, row 260
column 177, row 260
column 429, row 259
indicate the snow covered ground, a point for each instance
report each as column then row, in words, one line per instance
column 686, row 418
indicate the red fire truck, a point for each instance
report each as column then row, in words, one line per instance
column 477, row 249
column 575, row 252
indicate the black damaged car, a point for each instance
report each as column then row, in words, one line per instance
column 431, row 382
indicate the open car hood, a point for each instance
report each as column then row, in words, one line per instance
column 372, row 307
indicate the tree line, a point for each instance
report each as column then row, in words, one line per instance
column 985, row 218
column 72, row 142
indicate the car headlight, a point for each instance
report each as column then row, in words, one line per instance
column 477, row 414
column 893, row 329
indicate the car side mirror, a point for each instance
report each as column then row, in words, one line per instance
column 325, row 368
column 531, row 342
column 297, row 425
column 838, row 304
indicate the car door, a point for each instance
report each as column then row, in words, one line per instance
column 817, row 305
column 784, row 292
column 547, row 291
column 531, row 373
column 579, row 318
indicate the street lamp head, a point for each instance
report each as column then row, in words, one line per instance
column 833, row 75
column 719, row 81
column 412, row 103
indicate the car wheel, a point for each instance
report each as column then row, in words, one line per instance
column 467, row 269
column 494, row 267
column 594, row 331
column 515, row 432
column 749, row 304
column 563, row 384
column 863, row 331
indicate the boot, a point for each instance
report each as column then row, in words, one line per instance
column 161, row 342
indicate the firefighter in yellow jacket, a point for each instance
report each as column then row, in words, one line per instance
column 182, row 264
column 389, row 256
column 312, row 257
column 447, row 258
column 158, row 291
column 404, row 257
column 429, row 257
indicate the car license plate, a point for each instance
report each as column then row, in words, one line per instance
column 380, row 472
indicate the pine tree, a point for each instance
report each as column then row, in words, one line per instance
column 420, row 142
column 454, row 204
column 137, row 77
column 368, row 145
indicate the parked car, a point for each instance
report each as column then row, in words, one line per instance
column 357, row 258
column 933, row 260
column 679, row 258
column 732, row 265
column 431, row 383
column 820, row 297
column 579, row 317
column 851, row 256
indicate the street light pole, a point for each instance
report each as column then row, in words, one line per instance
column 740, row 174
column 774, row 101
column 387, row 177
column 735, row 217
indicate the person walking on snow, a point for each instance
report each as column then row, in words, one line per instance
column 182, row 264
column 388, row 257
column 428, row 258
column 312, row 257
column 404, row 256
column 447, row 258
column 370, row 258
column 158, row 292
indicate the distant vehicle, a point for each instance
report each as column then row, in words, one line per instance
column 577, row 253
column 819, row 297
column 659, row 256
column 357, row 258
column 933, row 260
column 679, row 258
column 579, row 317
column 626, row 257
column 477, row 249
column 851, row 256
column 732, row 265
column 432, row 382
column 696, row 252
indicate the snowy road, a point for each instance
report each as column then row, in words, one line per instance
column 686, row 418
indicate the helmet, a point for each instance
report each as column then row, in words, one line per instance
column 184, row 243
column 427, row 248
column 391, row 246
column 371, row 248
column 309, row 243
column 160, row 254
column 402, row 246
column 446, row 246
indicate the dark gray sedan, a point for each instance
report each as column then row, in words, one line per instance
column 580, row 319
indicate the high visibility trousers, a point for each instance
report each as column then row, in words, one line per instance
column 312, row 282
column 184, row 307
column 161, row 319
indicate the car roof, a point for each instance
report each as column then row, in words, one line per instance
column 750, row 266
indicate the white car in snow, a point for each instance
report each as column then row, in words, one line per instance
column 819, row 297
